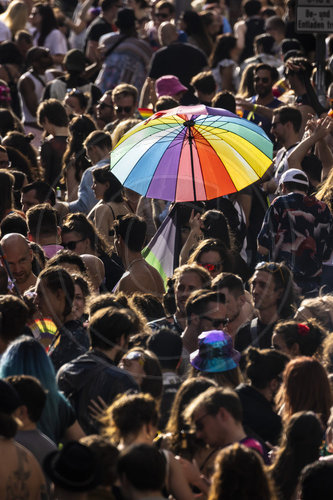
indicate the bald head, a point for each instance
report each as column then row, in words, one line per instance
column 167, row 33
column 95, row 268
column 19, row 257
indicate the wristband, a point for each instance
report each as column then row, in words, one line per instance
column 254, row 107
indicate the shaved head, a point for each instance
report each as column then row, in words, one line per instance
column 167, row 33
column 19, row 257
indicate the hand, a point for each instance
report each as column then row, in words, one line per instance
column 320, row 128
column 194, row 222
column 190, row 470
column 243, row 103
column 97, row 408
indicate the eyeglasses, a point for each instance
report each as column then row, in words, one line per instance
column 71, row 245
column 162, row 15
column 212, row 267
column 270, row 267
column 103, row 105
column 216, row 322
column 121, row 109
column 5, row 163
column 263, row 80
column 198, row 422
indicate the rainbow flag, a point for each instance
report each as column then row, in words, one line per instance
column 145, row 112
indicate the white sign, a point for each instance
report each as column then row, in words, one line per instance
column 314, row 16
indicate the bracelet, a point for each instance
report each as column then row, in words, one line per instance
column 254, row 107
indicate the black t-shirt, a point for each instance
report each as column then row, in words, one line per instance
column 261, row 332
column 98, row 28
column 178, row 59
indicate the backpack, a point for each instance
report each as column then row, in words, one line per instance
column 254, row 26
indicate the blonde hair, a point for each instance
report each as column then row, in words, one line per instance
column 15, row 16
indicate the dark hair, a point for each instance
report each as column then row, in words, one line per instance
column 44, row 192
column 42, row 220
column 115, row 190
column 8, row 122
column 196, row 29
column 225, row 100
column 6, row 192
column 98, row 138
column 152, row 380
column 289, row 114
column 305, row 387
column 167, row 346
column 79, row 223
column 252, row 7
column 148, row 304
column 264, row 365
column 223, row 46
column 240, row 473
column 54, row 111
column 144, row 467
column 39, row 258
column 10, row 54
column 198, row 301
column 132, row 229
column 316, row 480
column 49, row 21
column 14, row 315
column 8, row 425
column 106, row 455
column 266, row 67
column 165, row 102
column 308, row 335
column 204, row 82
column 165, row 4
column 213, row 245
column 107, row 325
column 13, row 223
column 266, row 42
column 68, row 257
column 57, row 278
column 312, row 166
column 300, row 446
column 31, row 393
column 230, row 281
column 215, row 225
column 212, row 400
column 107, row 4
column 21, row 162
column 80, row 96
column 290, row 44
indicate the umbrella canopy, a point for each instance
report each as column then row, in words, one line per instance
column 191, row 153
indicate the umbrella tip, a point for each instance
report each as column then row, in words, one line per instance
column 189, row 123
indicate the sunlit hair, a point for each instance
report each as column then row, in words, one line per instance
column 300, row 445
column 152, row 380
column 240, row 474
column 308, row 335
column 213, row 245
column 320, row 308
column 305, row 387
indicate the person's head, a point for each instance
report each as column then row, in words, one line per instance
column 14, row 314
column 125, row 100
column 106, row 186
column 205, row 86
column 225, row 48
column 104, row 108
column 82, row 291
column 187, row 279
column 125, row 21
column 110, row 328
column 233, row 289
column 215, row 225
column 123, row 127
column 43, row 19
column 19, row 256
column 130, row 415
column 23, row 40
column 240, row 473
column 6, row 191
column 9, row 403
column 298, row 71
column 167, row 33
column 145, row 368
column 35, row 193
column 293, row 180
column 130, row 234
column 42, row 222
column 55, row 293
column 16, row 16
column 80, row 235
column 264, row 43
column 287, row 120
column 275, row 27
column 298, row 339
column 167, row 346
column 74, row 62
column 252, row 7
column 316, row 481
column 170, row 85
column 141, row 469
column 164, row 11
column 32, row 397
column 225, row 100
column 98, row 145
column 305, row 387
column 246, row 85
column 213, row 414
column 39, row 59
column 264, row 369
column 272, row 287
column 264, row 77
column 213, row 256
column 75, row 102
column 10, row 54
column 106, row 455
column 72, row 262
column 149, row 305
column 51, row 113
column 300, row 446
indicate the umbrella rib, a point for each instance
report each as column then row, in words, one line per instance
column 176, row 186
column 202, row 175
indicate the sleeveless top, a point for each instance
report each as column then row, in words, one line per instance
column 39, row 83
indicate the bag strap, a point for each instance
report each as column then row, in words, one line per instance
column 254, row 332
column 118, row 42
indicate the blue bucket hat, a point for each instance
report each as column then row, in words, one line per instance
column 215, row 354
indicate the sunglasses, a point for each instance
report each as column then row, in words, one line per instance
column 270, row 267
column 71, row 245
column 134, row 356
column 212, row 267
column 121, row 109
column 263, row 80
column 216, row 322
column 162, row 15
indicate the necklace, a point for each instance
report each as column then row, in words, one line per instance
column 133, row 262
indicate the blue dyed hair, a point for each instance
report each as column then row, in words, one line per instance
column 26, row 356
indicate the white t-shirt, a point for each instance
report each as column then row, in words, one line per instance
column 55, row 42
column 5, row 33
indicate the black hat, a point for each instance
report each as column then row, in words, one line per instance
column 9, row 399
column 74, row 468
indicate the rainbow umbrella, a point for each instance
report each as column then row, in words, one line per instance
column 191, row 153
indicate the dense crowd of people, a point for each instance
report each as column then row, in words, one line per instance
column 119, row 380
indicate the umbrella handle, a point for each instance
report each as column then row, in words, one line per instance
column 189, row 124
